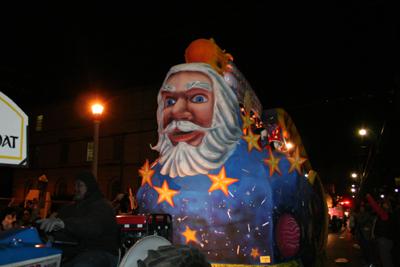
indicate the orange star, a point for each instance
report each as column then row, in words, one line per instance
column 252, row 140
column 254, row 253
column 273, row 164
column 166, row 194
column 220, row 181
column 247, row 121
column 296, row 161
column 146, row 173
column 190, row 235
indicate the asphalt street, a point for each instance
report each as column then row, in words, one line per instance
column 342, row 250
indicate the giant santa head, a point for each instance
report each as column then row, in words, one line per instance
column 197, row 120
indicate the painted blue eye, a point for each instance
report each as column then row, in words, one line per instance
column 199, row 99
column 169, row 102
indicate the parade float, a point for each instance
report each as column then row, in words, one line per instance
column 233, row 185
column 235, row 178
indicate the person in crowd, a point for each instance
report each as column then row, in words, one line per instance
column 383, row 230
column 9, row 218
column 365, row 222
column 91, row 220
column 29, row 204
column 116, row 203
column 23, row 218
column 35, row 209
column 396, row 239
column 353, row 218
column 128, row 203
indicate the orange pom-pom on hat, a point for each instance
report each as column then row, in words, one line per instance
column 207, row 51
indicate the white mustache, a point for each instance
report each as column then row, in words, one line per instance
column 185, row 126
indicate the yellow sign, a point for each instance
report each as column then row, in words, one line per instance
column 265, row 259
column 13, row 133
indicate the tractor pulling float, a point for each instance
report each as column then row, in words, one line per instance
column 258, row 203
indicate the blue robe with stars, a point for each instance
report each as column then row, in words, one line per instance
column 241, row 227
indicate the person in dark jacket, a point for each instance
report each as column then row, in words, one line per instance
column 363, row 231
column 383, row 230
column 91, row 220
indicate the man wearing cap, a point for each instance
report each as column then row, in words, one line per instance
column 91, row 220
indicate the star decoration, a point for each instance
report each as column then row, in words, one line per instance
column 166, row 194
column 247, row 121
column 254, row 253
column 220, row 181
column 273, row 164
column 252, row 140
column 146, row 173
column 296, row 161
column 190, row 235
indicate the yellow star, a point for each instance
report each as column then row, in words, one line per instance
column 296, row 161
column 247, row 121
column 190, row 235
column 146, row 173
column 166, row 194
column 254, row 252
column 273, row 164
column 220, row 181
column 252, row 140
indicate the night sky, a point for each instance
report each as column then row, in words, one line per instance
column 334, row 66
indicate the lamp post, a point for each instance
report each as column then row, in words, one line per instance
column 364, row 132
column 97, row 110
column 371, row 156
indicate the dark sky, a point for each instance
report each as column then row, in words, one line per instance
column 331, row 65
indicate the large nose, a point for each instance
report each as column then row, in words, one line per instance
column 180, row 111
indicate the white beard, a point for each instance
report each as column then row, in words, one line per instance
column 185, row 160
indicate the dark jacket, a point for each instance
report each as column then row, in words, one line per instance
column 93, row 223
column 384, row 223
column 364, row 225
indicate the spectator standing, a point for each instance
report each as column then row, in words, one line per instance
column 383, row 232
column 128, row 203
column 365, row 222
column 353, row 218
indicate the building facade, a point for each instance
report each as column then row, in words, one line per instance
column 61, row 143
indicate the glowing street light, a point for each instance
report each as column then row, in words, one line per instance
column 354, row 175
column 365, row 131
column 97, row 110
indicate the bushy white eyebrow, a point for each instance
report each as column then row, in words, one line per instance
column 198, row 84
column 168, row 88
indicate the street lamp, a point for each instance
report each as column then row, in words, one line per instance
column 364, row 132
column 97, row 110
column 371, row 155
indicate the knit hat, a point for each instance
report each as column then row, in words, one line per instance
column 88, row 179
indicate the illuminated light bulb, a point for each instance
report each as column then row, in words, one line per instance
column 97, row 109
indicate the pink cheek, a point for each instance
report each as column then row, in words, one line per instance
column 204, row 116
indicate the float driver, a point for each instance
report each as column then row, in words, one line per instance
column 91, row 220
